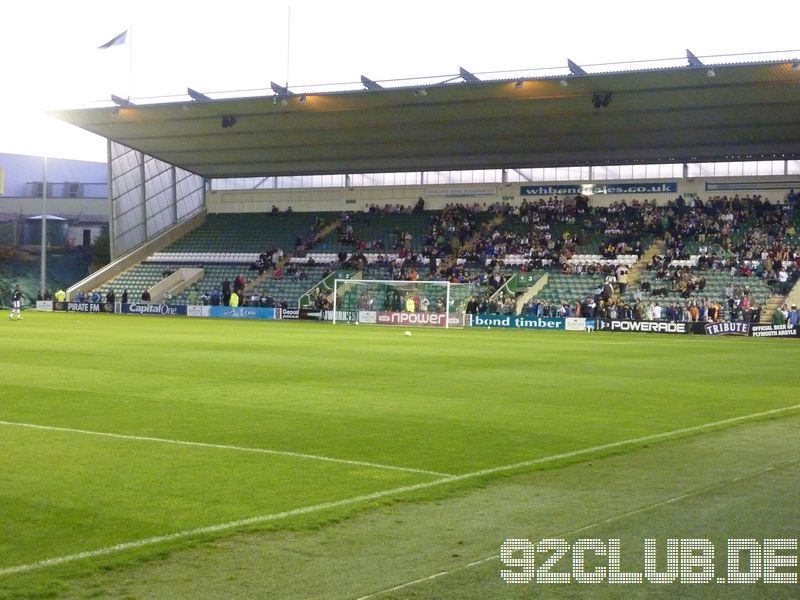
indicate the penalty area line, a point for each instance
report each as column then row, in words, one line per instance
column 105, row 551
column 287, row 453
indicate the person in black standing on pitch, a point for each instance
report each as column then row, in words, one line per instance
column 16, row 304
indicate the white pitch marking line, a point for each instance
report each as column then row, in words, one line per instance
column 216, row 528
column 373, row 496
column 141, row 438
column 565, row 534
column 422, row 579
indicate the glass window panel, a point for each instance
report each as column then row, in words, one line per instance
column 561, row 174
column 578, row 173
column 770, row 167
column 672, row 170
column 127, row 171
column 700, row 170
column 749, row 167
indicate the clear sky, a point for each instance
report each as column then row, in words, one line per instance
column 51, row 60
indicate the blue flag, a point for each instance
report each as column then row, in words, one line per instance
column 115, row 41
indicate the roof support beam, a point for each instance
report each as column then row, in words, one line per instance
column 696, row 63
column 197, row 96
column 575, row 69
column 521, row 174
column 120, row 101
column 693, row 60
column 467, row 76
column 370, row 84
column 280, row 90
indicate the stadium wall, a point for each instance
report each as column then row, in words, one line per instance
column 437, row 196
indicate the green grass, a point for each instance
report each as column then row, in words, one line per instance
column 453, row 402
column 721, row 492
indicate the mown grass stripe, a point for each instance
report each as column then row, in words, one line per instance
column 143, row 438
column 108, row 550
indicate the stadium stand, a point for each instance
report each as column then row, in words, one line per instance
column 688, row 260
column 251, row 232
column 377, row 231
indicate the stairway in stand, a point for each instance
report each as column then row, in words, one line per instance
column 775, row 302
column 657, row 247
column 772, row 304
column 467, row 246
column 327, row 229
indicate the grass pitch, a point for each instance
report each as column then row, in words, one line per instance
column 213, row 428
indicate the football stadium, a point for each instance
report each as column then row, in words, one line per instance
column 467, row 338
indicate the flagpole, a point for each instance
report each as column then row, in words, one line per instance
column 43, row 274
column 130, row 61
column 288, row 41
